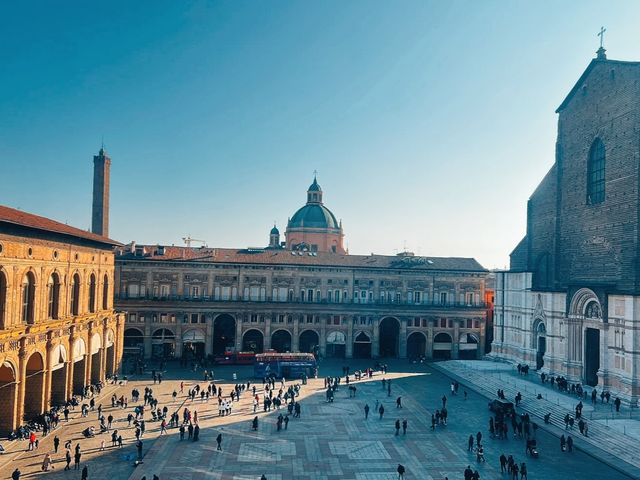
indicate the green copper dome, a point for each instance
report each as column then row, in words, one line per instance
column 313, row 215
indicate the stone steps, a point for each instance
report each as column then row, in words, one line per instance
column 601, row 437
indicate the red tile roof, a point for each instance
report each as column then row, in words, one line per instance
column 286, row 257
column 29, row 220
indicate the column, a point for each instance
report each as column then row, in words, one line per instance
column 179, row 335
column 349, row 345
column 239, row 319
column 455, row 346
column 375, row 341
column 208, row 336
column 21, row 379
column 267, row 331
column 295, row 340
column 323, row 336
column 47, row 376
column 148, row 318
column 429, row 350
column 402, row 353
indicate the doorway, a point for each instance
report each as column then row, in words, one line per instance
column 591, row 356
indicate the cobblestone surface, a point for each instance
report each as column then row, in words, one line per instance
column 329, row 441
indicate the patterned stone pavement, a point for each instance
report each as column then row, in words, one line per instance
column 329, row 441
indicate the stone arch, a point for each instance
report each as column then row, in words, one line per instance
column 539, row 341
column 8, row 391
column 58, row 365
column 193, row 341
column 224, row 333
column 468, row 344
column 336, row 344
column 91, row 297
column 442, row 345
column 362, row 345
column 583, row 300
column 110, row 352
column 253, row 341
column 34, row 386
column 79, row 359
column 53, row 295
column 309, row 341
column 96, row 358
column 133, row 337
column 389, row 337
column 417, row 345
column 281, row 340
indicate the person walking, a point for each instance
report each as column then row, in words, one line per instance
column 16, row 474
column 381, row 411
column 56, row 444
column 366, row 411
column 400, row 471
column 404, row 426
column 85, row 473
column 76, row 459
column 503, row 463
column 523, row 471
column 139, row 449
column 470, row 444
column 219, row 442
column 569, row 443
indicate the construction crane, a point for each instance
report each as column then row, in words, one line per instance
column 188, row 241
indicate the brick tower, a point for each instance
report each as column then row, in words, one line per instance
column 100, row 211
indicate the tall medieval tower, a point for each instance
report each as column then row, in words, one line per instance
column 100, row 211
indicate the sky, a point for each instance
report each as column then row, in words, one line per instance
column 430, row 123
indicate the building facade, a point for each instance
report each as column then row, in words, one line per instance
column 58, row 329
column 300, row 296
column 570, row 303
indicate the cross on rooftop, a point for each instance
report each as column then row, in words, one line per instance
column 601, row 35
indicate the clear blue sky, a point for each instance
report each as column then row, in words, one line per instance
column 429, row 122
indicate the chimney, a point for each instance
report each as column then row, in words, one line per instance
column 100, row 211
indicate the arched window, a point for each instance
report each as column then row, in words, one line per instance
column 595, row 173
column 3, row 298
column 105, row 293
column 92, row 293
column 75, row 295
column 53, row 296
column 28, row 298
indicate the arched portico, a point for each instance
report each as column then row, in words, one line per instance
column 59, row 366
column 416, row 345
column 336, row 344
column 389, row 337
column 163, row 343
column 34, row 386
column 468, row 344
column 442, row 346
column 253, row 341
column 281, row 341
column 8, row 387
column 224, row 334
column 96, row 358
column 79, row 366
column 309, row 342
column 362, row 345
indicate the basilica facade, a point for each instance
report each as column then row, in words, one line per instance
column 570, row 302
column 302, row 294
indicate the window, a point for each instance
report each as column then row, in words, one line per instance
column 443, row 298
column 345, row 297
column 417, row 298
column 443, row 323
column 28, row 297
column 164, row 291
column 75, row 295
column 3, row 297
column 53, row 294
column 469, row 323
column 194, row 318
column 398, row 297
column 291, row 295
column 92, row 293
column 310, row 295
column 133, row 318
column 424, row 322
column 595, row 173
column 105, row 293
column 329, row 296
column 133, row 290
column 318, row 296
column 469, row 298
column 336, row 296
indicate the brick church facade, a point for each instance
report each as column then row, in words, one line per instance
column 570, row 303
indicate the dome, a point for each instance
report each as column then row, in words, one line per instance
column 314, row 187
column 313, row 216
column 275, row 231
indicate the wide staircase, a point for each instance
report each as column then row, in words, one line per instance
column 603, row 442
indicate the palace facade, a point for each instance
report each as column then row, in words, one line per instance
column 305, row 294
column 570, row 303
column 58, row 329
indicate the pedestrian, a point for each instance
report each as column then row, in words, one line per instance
column 401, row 471
column 563, row 444
column 67, row 458
column 366, row 411
column 523, row 471
column 16, row 474
column 404, row 426
column 444, row 401
column 503, row 463
column 399, row 402
column 76, row 459
column 85, row 473
column 570, row 443
column 617, row 403
column 470, row 444
column 397, row 427
column 381, row 411
column 56, row 444
column 139, row 448
column 219, row 442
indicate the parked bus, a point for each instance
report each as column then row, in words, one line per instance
column 235, row 358
column 287, row 365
